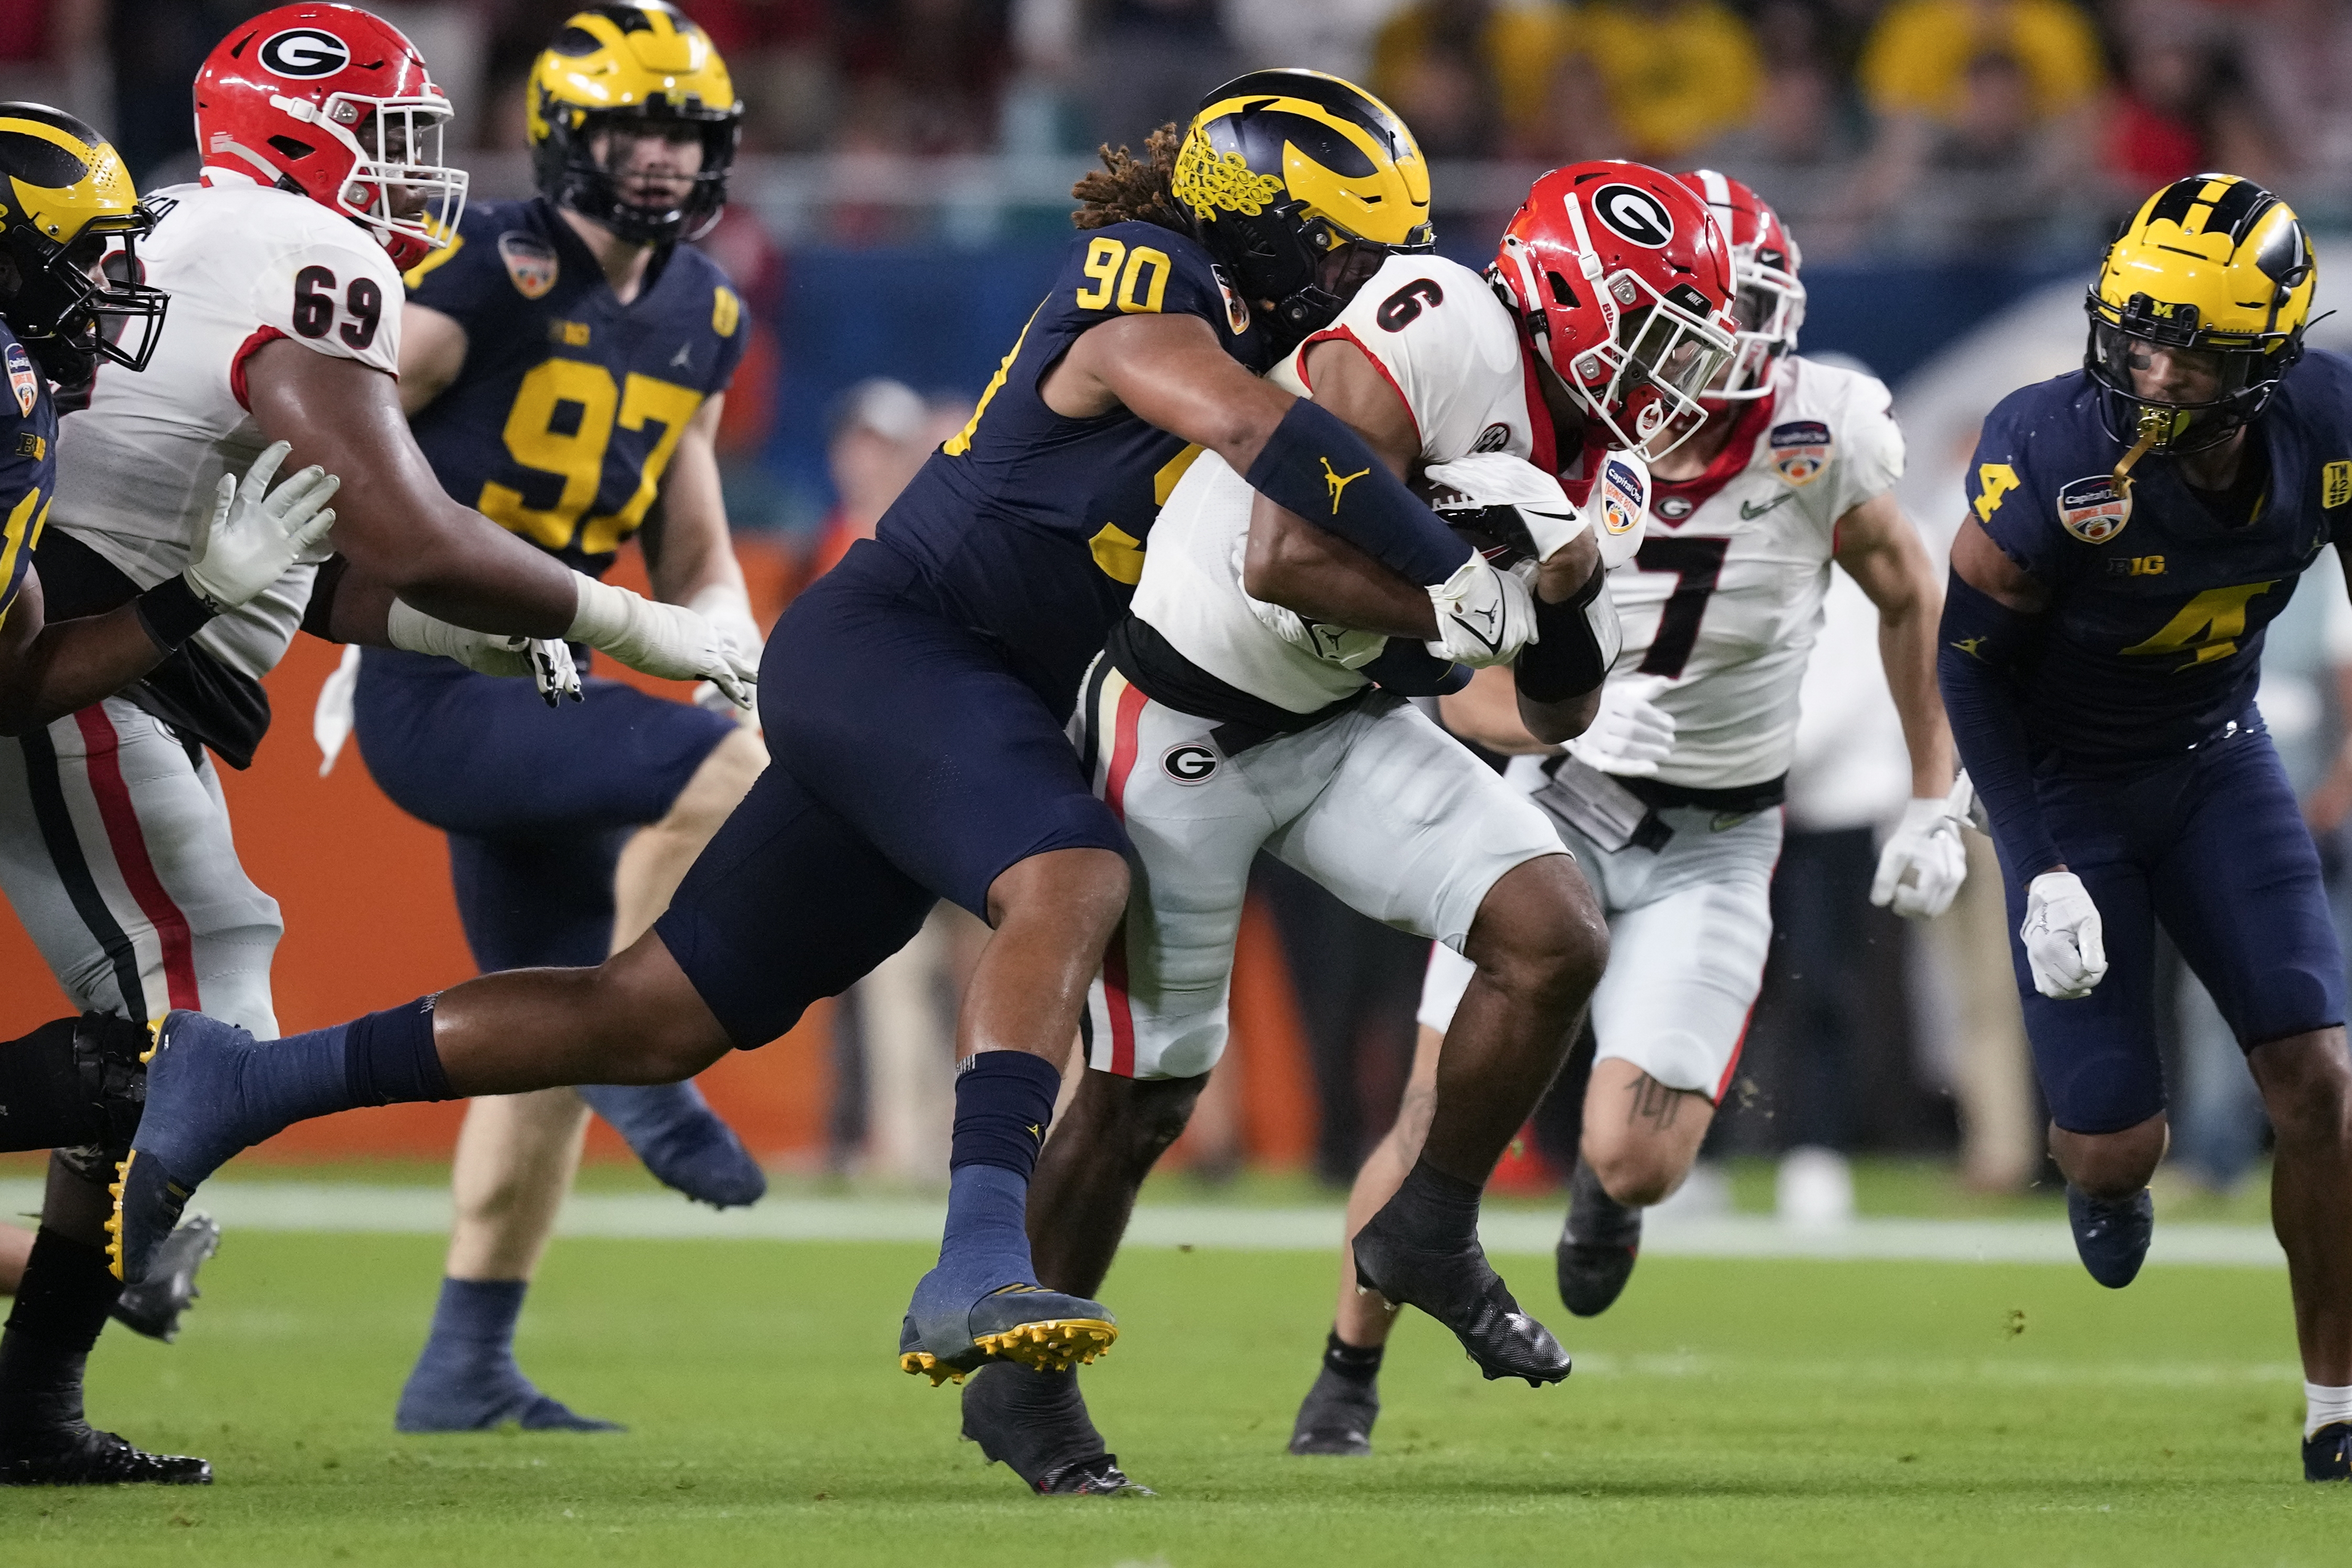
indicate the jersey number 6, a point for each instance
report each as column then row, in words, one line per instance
column 314, row 306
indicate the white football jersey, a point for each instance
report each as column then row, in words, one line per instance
column 244, row 264
column 1451, row 350
column 1725, row 597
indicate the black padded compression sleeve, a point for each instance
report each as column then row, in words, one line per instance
column 1981, row 639
column 1566, row 659
column 1316, row 467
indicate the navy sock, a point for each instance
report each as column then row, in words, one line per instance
column 1004, row 1102
column 476, row 1317
column 390, row 1057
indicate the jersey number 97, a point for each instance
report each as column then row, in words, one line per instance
column 561, row 422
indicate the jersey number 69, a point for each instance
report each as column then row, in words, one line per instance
column 314, row 307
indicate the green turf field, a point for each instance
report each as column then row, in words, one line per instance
column 1725, row 1412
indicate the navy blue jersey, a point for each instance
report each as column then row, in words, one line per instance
column 1033, row 526
column 2153, row 635
column 28, row 463
column 570, row 404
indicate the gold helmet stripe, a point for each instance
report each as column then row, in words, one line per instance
column 96, row 186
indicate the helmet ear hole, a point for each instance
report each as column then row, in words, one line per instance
column 292, row 149
column 1562, row 294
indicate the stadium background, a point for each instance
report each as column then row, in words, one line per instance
column 1949, row 165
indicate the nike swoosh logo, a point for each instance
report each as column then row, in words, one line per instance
column 1749, row 511
column 1493, row 645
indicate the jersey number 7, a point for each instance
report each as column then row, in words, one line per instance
column 1696, row 563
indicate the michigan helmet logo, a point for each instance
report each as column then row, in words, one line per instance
column 1189, row 763
column 1635, row 215
column 303, row 53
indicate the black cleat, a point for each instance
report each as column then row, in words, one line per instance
column 153, row 1306
column 1337, row 1416
column 1036, row 1424
column 77, row 1455
column 2327, row 1453
column 2111, row 1238
column 1596, row 1246
column 1456, row 1286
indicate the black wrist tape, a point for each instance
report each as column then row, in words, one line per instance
column 1316, row 467
column 173, row 612
column 1566, row 660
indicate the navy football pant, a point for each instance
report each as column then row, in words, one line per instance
column 2212, row 846
column 537, row 801
column 911, row 765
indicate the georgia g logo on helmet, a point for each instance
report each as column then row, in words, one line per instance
column 1635, row 215
column 303, row 53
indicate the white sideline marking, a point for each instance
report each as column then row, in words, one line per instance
column 424, row 1211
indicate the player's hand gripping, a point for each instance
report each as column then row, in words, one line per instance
column 1631, row 734
column 546, row 660
column 668, row 642
column 255, row 533
column 725, row 606
column 1483, row 615
column 1924, row 863
column 2063, row 945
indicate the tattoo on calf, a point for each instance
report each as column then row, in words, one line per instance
column 1655, row 1103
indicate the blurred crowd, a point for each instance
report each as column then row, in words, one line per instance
column 1904, row 125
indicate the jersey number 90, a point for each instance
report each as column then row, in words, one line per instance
column 561, row 422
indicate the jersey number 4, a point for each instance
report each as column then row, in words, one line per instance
column 563, row 420
column 1696, row 564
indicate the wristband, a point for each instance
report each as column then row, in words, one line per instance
column 1570, row 656
column 1314, row 465
column 173, row 612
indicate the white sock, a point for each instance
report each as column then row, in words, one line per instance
column 2323, row 1406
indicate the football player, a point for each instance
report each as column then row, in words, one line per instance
column 2133, row 528
column 569, row 829
column 75, row 1084
column 320, row 131
column 1218, row 725
column 1670, row 800
column 967, row 622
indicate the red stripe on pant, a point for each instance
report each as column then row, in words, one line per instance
column 1124, row 742
column 129, row 846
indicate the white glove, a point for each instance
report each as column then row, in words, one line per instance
column 1495, row 480
column 726, row 607
column 332, row 718
column 2063, row 945
column 1923, row 862
column 546, row 660
column 254, row 534
column 1631, row 734
column 668, row 642
column 1969, row 805
column 1484, row 616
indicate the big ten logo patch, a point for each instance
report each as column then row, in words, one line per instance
column 2094, row 509
column 1800, row 450
column 1189, row 762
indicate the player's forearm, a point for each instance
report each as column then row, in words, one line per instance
column 1556, row 723
column 1322, row 577
column 1980, row 639
column 1906, row 649
column 66, row 666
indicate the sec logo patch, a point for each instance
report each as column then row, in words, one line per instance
column 1800, row 450
column 1189, row 762
column 2092, row 508
column 531, row 264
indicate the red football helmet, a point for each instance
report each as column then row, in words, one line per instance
column 334, row 103
column 1624, row 281
column 1771, row 304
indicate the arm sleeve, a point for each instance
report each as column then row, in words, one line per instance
column 1981, row 641
column 1314, row 465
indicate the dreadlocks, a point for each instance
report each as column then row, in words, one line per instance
column 1128, row 189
